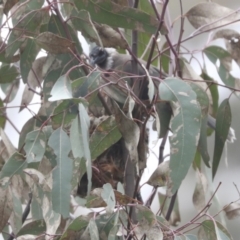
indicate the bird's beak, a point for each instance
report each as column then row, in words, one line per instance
column 92, row 62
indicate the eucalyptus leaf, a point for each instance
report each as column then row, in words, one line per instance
column 35, row 144
column 118, row 16
column 185, row 125
column 62, row 173
column 223, row 123
column 62, row 89
column 15, row 164
column 109, row 197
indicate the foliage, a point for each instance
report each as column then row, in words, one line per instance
column 87, row 144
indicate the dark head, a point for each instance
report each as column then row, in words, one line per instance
column 99, row 57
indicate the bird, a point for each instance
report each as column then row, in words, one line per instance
column 121, row 65
column 110, row 60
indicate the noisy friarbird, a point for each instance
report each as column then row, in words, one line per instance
column 109, row 59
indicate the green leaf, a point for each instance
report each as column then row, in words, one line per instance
column 147, row 224
column 130, row 132
column 94, row 200
column 185, row 126
column 8, row 73
column 165, row 58
column 75, row 227
column 191, row 237
column 93, row 230
column 203, row 100
column 112, row 14
column 7, row 142
column 17, row 214
column 210, row 230
column 6, row 206
column 65, row 112
column 27, row 26
column 145, row 213
column 54, row 43
column 108, row 197
column 79, row 136
column 35, row 144
column 33, row 228
column 10, row 90
column 15, row 164
column 82, row 22
column 106, row 222
column 214, row 92
column 8, row 5
column 2, row 115
column 223, row 123
column 175, row 217
column 80, row 87
column 113, row 233
column 26, row 7
column 62, row 173
column 164, row 114
column 27, row 58
column 61, row 89
column 30, row 125
column 36, row 209
column 58, row 66
column 55, row 26
column 214, row 53
column 104, row 136
column 83, row 85
column 144, row 37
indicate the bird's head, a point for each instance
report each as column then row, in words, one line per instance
column 98, row 56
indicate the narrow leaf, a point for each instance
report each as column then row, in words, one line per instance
column 27, row 58
column 54, row 43
column 8, row 73
column 199, row 195
column 8, row 5
column 62, row 173
column 7, row 142
column 66, row 112
column 79, row 136
column 75, row 227
column 15, row 164
column 35, row 144
column 62, row 89
column 109, row 197
column 104, row 136
column 215, row 53
column 106, row 222
column 93, row 230
column 232, row 211
column 6, row 206
column 185, row 126
column 112, row 14
column 223, row 123
column 130, row 132
column 164, row 114
column 203, row 101
column 212, row 15
column 213, row 230
column 33, row 228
